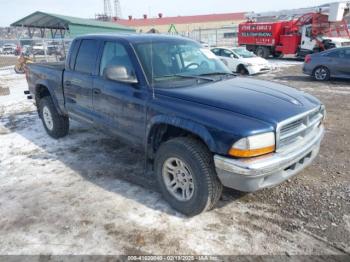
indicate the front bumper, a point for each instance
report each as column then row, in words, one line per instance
column 259, row 69
column 250, row 175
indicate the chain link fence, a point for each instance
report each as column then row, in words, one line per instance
column 55, row 50
column 37, row 50
column 224, row 37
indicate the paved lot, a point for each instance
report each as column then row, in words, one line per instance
column 7, row 60
column 78, row 195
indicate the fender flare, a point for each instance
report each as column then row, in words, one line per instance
column 46, row 84
column 187, row 125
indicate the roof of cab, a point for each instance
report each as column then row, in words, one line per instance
column 133, row 38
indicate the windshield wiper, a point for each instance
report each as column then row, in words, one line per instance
column 218, row 73
column 198, row 77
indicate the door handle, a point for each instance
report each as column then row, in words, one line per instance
column 96, row 91
column 68, row 83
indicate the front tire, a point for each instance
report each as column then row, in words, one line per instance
column 242, row 70
column 186, row 175
column 56, row 125
column 321, row 73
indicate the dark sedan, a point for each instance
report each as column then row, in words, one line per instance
column 331, row 63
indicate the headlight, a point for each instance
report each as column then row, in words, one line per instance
column 254, row 145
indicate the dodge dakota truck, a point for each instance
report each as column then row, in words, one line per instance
column 200, row 126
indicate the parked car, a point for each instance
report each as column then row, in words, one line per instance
column 331, row 63
column 27, row 50
column 52, row 50
column 242, row 61
column 9, row 49
column 38, row 49
column 200, row 126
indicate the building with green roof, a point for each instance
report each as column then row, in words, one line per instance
column 67, row 26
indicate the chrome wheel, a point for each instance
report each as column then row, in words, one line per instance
column 178, row 179
column 47, row 118
column 321, row 73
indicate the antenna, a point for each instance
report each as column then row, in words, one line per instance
column 152, row 70
column 107, row 8
column 117, row 9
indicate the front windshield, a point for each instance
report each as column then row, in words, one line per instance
column 242, row 52
column 172, row 58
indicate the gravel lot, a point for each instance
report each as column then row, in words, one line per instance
column 85, row 194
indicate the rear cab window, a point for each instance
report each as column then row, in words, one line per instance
column 87, row 56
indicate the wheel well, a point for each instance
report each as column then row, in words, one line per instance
column 240, row 66
column 163, row 132
column 40, row 92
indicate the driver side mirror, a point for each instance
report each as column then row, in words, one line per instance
column 119, row 74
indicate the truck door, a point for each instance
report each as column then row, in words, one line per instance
column 307, row 42
column 119, row 106
column 78, row 81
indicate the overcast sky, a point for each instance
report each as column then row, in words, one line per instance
column 12, row 10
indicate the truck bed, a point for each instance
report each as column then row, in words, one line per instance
column 52, row 65
column 49, row 75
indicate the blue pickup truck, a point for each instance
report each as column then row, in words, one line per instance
column 201, row 127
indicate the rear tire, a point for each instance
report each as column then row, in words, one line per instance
column 56, row 125
column 278, row 55
column 263, row 52
column 186, row 175
column 321, row 73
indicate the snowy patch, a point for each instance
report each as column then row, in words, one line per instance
column 68, row 196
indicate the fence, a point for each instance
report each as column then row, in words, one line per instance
column 38, row 50
column 54, row 50
column 226, row 36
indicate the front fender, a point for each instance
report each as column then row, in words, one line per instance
column 187, row 125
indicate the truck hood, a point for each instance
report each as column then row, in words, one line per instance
column 267, row 101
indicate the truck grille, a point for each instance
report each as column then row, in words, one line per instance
column 299, row 129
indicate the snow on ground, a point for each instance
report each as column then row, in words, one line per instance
column 280, row 63
column 67, row 197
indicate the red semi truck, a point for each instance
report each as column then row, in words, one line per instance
column 312, row 32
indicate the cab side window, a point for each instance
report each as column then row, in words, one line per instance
column 226, row 53
column 308, row 31
column 347, row 53
column 216, row 51
column 344, row 53
column 87, row 56
column 334, row 54
column 115, row 54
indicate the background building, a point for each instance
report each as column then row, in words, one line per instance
column 213, row 29
column 66, row 26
